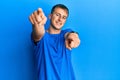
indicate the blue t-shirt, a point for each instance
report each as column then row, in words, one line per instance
column 53, row 58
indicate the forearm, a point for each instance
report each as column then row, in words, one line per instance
column 37, row 32
column 68, row 33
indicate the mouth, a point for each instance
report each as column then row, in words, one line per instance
column 58, row 23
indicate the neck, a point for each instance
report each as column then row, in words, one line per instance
column 51, row 30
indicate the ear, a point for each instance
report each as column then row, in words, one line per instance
column 50, row 15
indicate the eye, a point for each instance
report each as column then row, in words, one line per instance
column 57, row 14
column 64, row 17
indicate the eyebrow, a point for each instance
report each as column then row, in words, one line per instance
column 61, row 14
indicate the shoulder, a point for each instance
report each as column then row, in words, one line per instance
column 66, row 31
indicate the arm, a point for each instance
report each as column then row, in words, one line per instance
column 72, row 40
column 38, row 20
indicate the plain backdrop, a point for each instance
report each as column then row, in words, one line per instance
column 96, row 21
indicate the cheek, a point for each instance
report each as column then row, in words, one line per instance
column 54, row 19
column 64, row 21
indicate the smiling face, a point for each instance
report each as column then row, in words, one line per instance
column 58, row 18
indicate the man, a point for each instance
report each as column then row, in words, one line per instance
column 53, row 47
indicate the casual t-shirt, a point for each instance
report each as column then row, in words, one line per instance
column 53, row 59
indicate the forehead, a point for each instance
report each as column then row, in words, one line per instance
column 61, row 11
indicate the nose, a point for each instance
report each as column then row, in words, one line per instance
column 60, row 18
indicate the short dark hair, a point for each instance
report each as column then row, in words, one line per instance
column 60, row 6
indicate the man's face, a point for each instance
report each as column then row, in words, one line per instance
column 58, row 18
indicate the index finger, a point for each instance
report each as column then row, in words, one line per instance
column 39, row 10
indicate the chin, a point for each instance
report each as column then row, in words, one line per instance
column 58, row 27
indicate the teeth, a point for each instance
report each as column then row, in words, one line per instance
column 58, row 23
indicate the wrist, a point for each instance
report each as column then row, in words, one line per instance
column 73, row 32
column 70, row 33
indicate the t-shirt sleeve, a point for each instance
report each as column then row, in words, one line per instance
column 66, row 31
column 33, row 42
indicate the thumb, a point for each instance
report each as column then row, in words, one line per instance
column 71, row 44
column 67, row 42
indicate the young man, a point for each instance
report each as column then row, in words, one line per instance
column 52, row 47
